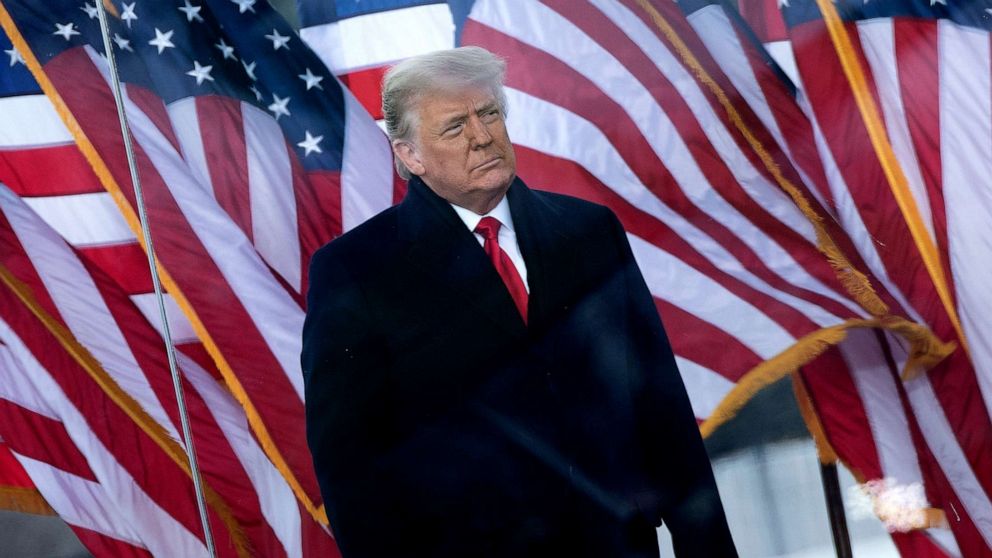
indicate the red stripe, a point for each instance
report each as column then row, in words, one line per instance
column 763, row 16
column 125, row 264
column 42, row 439
column 694, row 339
column 838, row 404
column 190, row 265
column 154, row 108
column 558, row 175
column 223, row 134
column 917, row 61
column 11, row 472
column 47, row 171
column 326, row 189
column 630, row 55
column 318, row 215
column 367, row 86
column 317, row 541
column 102, row 545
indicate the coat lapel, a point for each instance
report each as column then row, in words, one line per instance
column 548, row 251
column 450, row 259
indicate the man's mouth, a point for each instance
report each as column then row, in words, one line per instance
column 488, row 164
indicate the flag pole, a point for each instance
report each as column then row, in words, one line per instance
column 170, row 350
column 835, row 509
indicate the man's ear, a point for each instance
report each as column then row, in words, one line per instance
column 407, row 153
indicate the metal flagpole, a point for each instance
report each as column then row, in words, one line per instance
column 115, row 84
column 835, row 509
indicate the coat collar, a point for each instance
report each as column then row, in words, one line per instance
column 439, row 245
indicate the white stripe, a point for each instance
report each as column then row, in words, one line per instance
column 878, row 42
column 186, row 126
column 381, row 38
column 705, row 387
column 273, row 202
column 566, row 135
column 547, row 30
column 31, row 121
column 158, row 531
column 179, row 327
column 719, row 36
column 78, row 501
column 880, row 398
column 276, row 316
column 276, row 498
column 670, row 279
column 17, row 387
column 366, row 167
column 879, row 394
column 965, row 148
column 81, row 305
column 83, row 219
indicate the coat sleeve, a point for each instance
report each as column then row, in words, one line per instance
column 343, row 363
column 688, row 501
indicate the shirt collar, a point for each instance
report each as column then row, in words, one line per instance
column 500, row 212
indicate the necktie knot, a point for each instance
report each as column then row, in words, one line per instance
column 488, row 227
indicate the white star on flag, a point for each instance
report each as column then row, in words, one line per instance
column 249, row 69
column 129, row 14
column 278, row 106
column 200, row 72
column 311, row 80
column 258, row 94
column 245, row 5
column 226, row 50
column 90, row 10
column 122, row 43
column 192, row 12
column 278, row 41
column 15, row 56
column 311, row 144
column 783, row 3
column 934, row 2
column 162, row 40
column 66, row 30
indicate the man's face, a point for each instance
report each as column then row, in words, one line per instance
column 460, row 148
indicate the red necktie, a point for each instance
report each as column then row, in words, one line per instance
column 488, row 227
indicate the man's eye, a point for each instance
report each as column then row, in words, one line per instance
column 491, row 115
column 453, row 129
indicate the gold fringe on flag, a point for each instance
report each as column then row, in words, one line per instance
column 24, row 499
column 925, row 352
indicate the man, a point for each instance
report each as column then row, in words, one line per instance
column 486, row 374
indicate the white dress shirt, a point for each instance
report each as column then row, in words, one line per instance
column 507, row 235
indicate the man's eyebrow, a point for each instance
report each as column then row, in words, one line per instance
column 455, row 118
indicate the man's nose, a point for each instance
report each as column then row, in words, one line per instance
column 479, row 135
